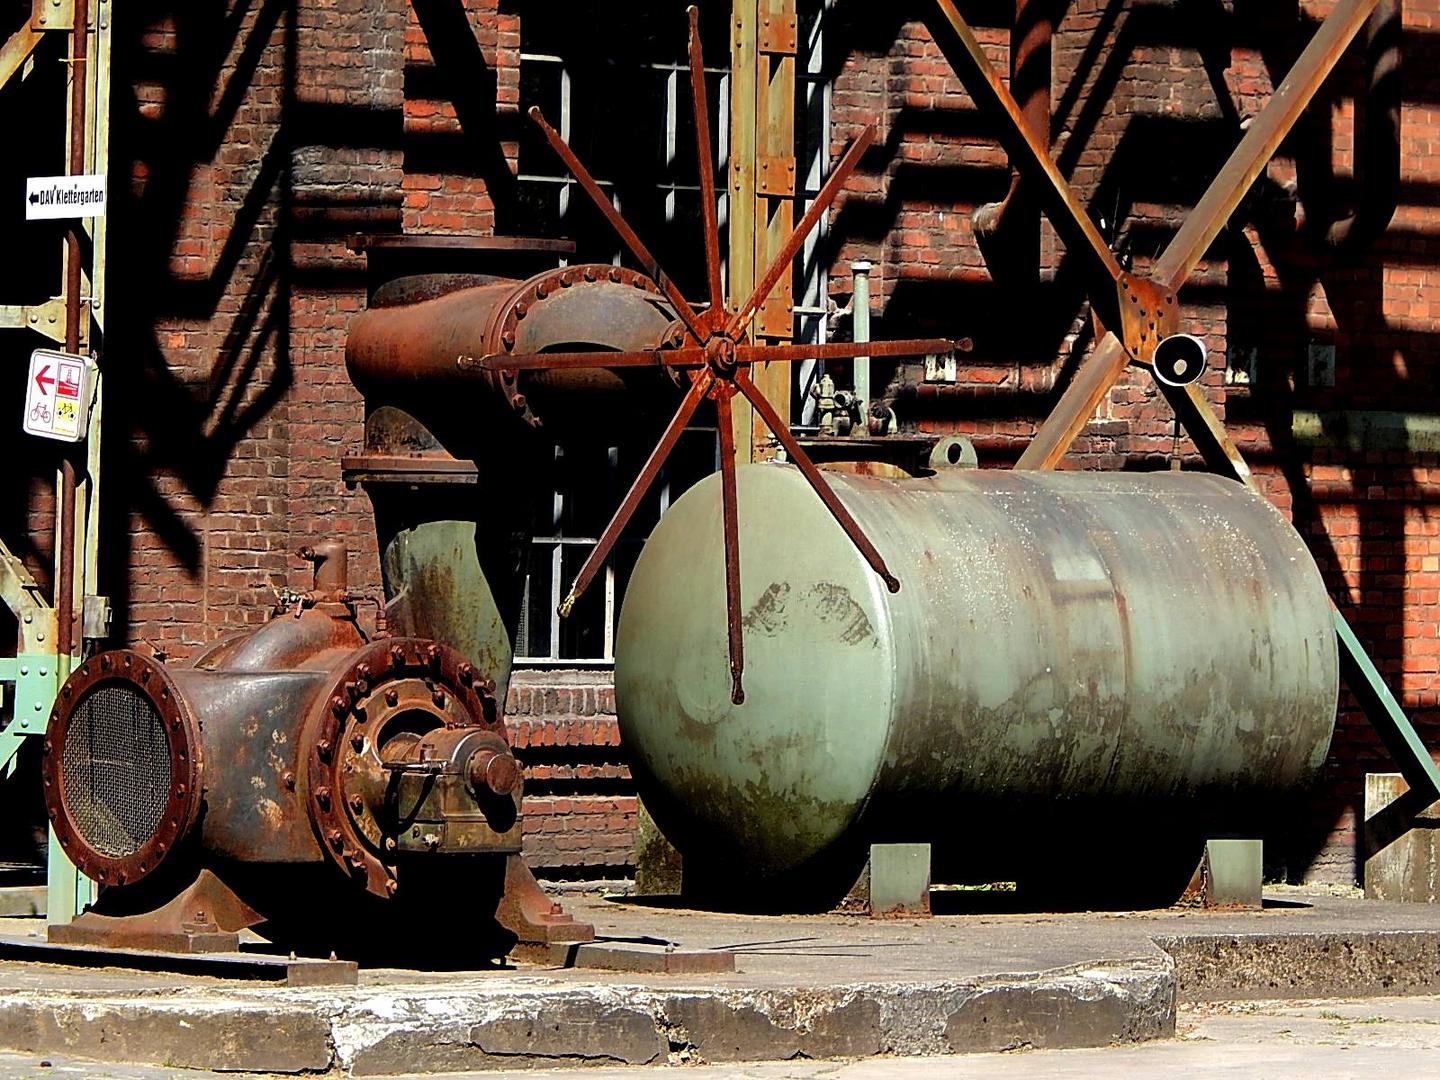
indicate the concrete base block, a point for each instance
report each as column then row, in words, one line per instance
column 1233, row 874
column 899, row 879
column 22, row 902
column 1403, row 864
column 658, row 865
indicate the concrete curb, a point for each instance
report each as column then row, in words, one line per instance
column 1388, row 963
column 513, row 1024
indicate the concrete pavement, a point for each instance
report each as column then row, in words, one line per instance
column 1322, row 1040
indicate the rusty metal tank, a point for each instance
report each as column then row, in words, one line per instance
column 1082, row 676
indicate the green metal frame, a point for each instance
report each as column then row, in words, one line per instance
column 1385, row 713
column 34, row 674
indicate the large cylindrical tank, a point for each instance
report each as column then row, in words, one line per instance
column 1075, row 663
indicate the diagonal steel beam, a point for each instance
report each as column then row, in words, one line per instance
column 17, row 50
column 1029, row 156
column 1185, row 250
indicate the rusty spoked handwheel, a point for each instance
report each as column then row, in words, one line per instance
column 713, row 347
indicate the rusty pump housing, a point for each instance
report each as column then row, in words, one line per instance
column 302, row 775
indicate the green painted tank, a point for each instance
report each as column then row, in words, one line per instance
column 1081, row 672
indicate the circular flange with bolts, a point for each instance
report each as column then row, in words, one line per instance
column 122, row 767
column 503, row 331
column 384, row 680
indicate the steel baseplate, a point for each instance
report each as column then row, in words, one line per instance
column 205, row 918
column 536, row 920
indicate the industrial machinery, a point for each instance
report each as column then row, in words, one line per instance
column 1086, row 675
column 303, row 775
column 1067, row 681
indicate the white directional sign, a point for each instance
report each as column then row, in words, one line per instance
column 57, row 395
column 64, row 197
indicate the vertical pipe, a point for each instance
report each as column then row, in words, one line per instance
column 74, row 313
column 860, row 321
column 1018, row 217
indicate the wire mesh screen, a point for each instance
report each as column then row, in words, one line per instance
column 116, row 769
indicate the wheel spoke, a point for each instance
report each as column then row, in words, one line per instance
column 619, row 224
column 807, row 468
column 705, row 152
column 779, row 265
column 637, row 491
column 732, row 545
column 842, row 350
column 598, row 358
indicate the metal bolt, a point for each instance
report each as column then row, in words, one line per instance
column 24, row 671
column 322, row 796
column 392, row 697
column 338, row 706
column 391, row 886
column 521, row 309
column 390, row 843
column 438, row 697
column 357, row 741
column 397, row 655
column 357, row 804
column 324, row 749
column 557, row 909
column 39, row 707
column 288, row 779
column 336, row 838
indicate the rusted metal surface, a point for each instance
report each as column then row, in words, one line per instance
column 76, row 789
column 300, row 747
column 1102, row 647
column 1148, row 314
column 713, row 343
column 708, row 202
column 1014, row 222
column 695, row 356
column 76, row 311
column 205, row 917
column 415, row 353
column 1029, row 153
column 1260, row 142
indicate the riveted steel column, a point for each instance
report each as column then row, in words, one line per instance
column 763, row 48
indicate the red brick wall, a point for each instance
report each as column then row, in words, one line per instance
column 249, row 140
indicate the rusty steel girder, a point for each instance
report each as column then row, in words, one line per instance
column 300, row 753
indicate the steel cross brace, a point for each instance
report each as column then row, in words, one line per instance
column 1031, row 158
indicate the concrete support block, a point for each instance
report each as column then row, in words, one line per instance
column 899, row 879
column 658, row 864
column 1233, row 874
column 1403, row 857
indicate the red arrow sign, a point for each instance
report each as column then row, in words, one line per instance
column 43, row 379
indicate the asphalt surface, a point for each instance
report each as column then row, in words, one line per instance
column 1323, row 1040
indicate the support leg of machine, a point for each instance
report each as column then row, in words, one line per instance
column 205, row 917
column 1401, row 842
column 529, row 913
column 899, row 879
column 1232, row 874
